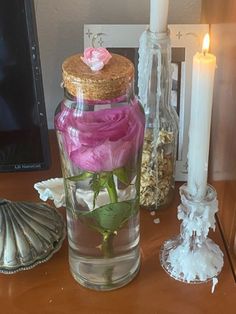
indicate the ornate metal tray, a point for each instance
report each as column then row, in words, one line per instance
column 30, row 233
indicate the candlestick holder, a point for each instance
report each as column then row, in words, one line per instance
column 192, row 257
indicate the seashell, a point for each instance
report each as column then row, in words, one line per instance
column 52, row 189
column 30, row 233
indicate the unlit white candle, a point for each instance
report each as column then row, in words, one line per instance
column 158, row 15
column 204, row 65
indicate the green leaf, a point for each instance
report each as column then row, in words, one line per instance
column 122, row 175
column 103, row 180
column 112, row 217
column 81, row 177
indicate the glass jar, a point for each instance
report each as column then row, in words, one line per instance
column 100, row 126
column 160, row 140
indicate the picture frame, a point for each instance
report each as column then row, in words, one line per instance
column 186, row 40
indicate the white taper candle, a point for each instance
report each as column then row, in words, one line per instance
column 204, row 65
column 158, row 15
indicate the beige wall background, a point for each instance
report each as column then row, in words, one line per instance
column 60, row 31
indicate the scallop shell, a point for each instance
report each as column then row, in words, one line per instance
column 30, row 233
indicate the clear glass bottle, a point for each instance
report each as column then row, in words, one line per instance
column 100, row 128
column 160, row 140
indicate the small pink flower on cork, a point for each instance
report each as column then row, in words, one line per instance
column 96, row 58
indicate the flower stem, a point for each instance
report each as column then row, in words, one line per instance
column 107, row 250
column 107, row 237
column 111, row 189
column 107, row 244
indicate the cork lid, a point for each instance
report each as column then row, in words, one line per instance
column 110, row 82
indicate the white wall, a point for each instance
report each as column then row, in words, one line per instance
column 60, row 30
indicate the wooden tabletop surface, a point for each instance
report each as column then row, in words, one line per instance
column 49, row 287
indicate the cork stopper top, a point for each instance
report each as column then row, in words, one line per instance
column 110, row 82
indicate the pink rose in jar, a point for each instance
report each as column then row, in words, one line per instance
column 96, row 58
column 103, row 140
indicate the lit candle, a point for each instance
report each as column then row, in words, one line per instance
column 204, row 65
column 158, row 15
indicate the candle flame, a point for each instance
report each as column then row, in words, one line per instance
column 206, row 44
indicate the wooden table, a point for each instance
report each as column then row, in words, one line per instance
column 49, row 287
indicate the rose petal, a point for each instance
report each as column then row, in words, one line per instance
column 96, row 58
column 105, row 157
column 102, row 140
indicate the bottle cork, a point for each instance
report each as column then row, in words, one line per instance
column 109, row 83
